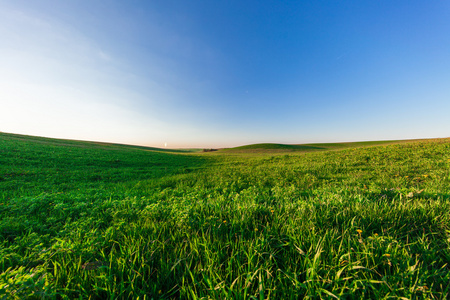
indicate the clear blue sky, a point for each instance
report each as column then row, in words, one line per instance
column 225, row 73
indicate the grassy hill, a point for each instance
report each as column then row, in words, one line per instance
column 85, row 144
column 282, row 148
column 269, row 147
column 99, row 221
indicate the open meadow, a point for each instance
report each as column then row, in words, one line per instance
column 84, row 220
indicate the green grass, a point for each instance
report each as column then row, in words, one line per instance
column 267, row 148
column 101, row 221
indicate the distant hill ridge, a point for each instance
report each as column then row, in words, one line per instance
column 252, row 148
column 274, row 147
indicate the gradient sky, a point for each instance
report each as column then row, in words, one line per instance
column 225, row 73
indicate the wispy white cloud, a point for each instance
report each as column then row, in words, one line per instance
column 104, row 55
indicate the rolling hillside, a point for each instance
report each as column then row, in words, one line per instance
column 281, row 148
column 84, row 220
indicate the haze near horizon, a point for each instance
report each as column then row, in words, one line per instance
column 222, row 74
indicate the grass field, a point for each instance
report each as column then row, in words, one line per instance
column 283, row 148
column 83, row 220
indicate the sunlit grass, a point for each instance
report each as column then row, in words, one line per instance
column 104, row 221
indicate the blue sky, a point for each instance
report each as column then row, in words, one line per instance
column 225, row 73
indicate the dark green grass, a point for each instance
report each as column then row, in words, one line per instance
column 91, row 221
column 85, row 144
